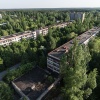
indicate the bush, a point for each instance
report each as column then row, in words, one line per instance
column 51, row 79
column 5, row 92
column 13, row 74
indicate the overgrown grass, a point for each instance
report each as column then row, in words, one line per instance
column 13, row 74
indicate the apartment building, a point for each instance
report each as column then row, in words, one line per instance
column 42, row 31
column 77, row 15
column 7, row 40
column 0, row 16
column 62, row 25
column 53, row 59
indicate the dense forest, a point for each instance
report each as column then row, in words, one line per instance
column 35, row 51
column 19, row 21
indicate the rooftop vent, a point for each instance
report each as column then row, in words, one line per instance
column 33, row 87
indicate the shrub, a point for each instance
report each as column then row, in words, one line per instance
column 11, row 75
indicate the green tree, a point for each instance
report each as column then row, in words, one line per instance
column 4, row 33
column 51, row 43
column 5, row 92
column 78, row 84
column 42, row 61
column 1, row 61
column 94, row 47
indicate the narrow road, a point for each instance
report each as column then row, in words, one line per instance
column 4, row 72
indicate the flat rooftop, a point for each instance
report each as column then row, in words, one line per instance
column 58, row 52
column 34, row 83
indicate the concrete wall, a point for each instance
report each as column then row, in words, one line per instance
column 18, row 90
column 48, row 89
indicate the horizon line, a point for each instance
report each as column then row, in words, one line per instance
column 53, row 8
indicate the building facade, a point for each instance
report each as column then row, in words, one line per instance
column 43, row 31
column 77, row 15
column 53, row 59
column 62, row 25
column 7, row 40
column 0, row 16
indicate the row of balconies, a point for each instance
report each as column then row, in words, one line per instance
column 16, row 39
column 54, row 69
column 53, row 62
column 54, row 66
column 27, row 35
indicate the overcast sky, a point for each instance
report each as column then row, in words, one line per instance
column 48, row 3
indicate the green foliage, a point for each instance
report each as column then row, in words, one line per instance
column 91, row 79
column 17, row 21
column 28, row 50
column 78, row 84
column 5, row 92
column 94, row 47
column 71, row 35
column 51, row 42
column 42, row 61
column 50, row 79
column 1, row 61
column 11, row 75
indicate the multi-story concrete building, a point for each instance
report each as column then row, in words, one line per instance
column 53, row 59
column 77, row 15
column 0, row 16
column 7, row 40
column 42, row 31
column 62, row 25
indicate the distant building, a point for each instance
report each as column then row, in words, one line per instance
column 53, row 59
column 62, row 25
column 77, row 15
column 7, row 40
column 0, row 16
column 43, row 31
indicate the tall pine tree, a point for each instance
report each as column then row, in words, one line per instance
column 78, row 81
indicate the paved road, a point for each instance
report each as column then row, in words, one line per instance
column 11, row 68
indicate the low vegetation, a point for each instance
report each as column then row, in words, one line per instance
column 5, row 92
column 13, row 74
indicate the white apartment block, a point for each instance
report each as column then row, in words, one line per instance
column 7, row 40
column 43, row 31
column 0, row 16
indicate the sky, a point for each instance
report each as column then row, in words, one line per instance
column 5, row 4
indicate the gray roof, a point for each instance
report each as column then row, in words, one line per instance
column 58, row 52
